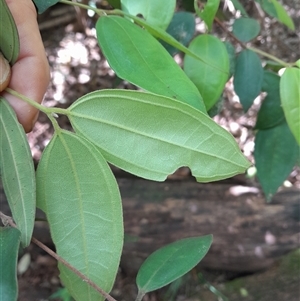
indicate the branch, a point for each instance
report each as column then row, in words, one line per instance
column 7, row 220
column 265, row 54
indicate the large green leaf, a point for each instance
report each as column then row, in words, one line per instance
column 290, row 99
column 17, row 171
column 171, row 262
column 164, row 36
column 276, row 152
column 209, row 81
column 9, row 247
column 78, row 192
column 151, row 135
column 182, row 28
column 9, row 38
column 208, row 13
column 270, row 113
column 245, row 29
column 248, row 77
column 155, row 12
column 43, row 5
column 139, row 58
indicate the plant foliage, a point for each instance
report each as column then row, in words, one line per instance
column 149, row 133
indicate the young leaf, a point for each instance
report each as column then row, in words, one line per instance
column 248, row 77
column 171, row 262
column 207, row 14
column 78, row 192
column 182, row 28
column 245, row 29
column 290, row 99
column 43, row 5
column 276, row 152
column 270, row 113
column 209, row 81
column 276, row 10
column 9, row 248
column 139, row 58
column 151, row 136
column 155, row 12
column 17, row 171
column 9, row 38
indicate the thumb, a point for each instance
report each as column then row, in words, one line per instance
column 5, row 72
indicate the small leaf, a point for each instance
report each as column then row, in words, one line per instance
column 9, row 38
column 232, row 57
column 209, row 81
column 270, row 113
column 282, row 15
column 171, row 262
column 238, row 6
column 115, row 3
column 208, row 13
column 290, row 99
column 9, row 247
column 43, row 5
column 139, row 58
column 155, row 12
column 182, row 28
column 79, row 194
column 151, row 136
column 274, row 9
column 245, row 29
column 276, row 152
column 248, row 77
column 17, row 171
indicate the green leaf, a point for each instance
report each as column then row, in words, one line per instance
column 79, row 194
column 245, row 29
column 283, row 16
column 290, row 99
column 182, row 28
column 43, row 5
column 17, row 171
column 151, row 136
column 238, row 6
column 164, row 36
column 232, row 57
column 139, row 58
column 155, row 12
column 276, row 10
column 276, row 152
column 248, row 77
column 115, row 3
column 208, row 13
column 9, row 37
column 9, row 247
column 270, row 113
column 209, row 81
column 171, row 262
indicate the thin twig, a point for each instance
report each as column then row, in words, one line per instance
column 263, row 53
column 7, row 220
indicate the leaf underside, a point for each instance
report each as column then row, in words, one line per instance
column 151, row 136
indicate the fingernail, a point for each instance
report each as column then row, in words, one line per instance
column 5, row 73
